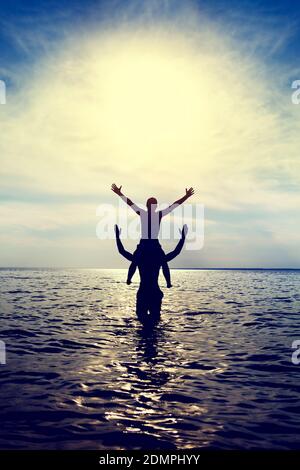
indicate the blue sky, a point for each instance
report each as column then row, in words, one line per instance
column 57, row 166
column 31, row 14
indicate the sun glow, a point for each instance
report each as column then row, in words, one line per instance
column 157, row 102
column 125, row 101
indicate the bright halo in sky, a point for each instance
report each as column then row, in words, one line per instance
column 135, row 102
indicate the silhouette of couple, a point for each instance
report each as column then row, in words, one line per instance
column 149, row 256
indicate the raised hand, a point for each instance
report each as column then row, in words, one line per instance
column 116, row 190
column 183, row 232
column 117, row 231
column 189, row 192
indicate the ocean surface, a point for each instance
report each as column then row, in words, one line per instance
column 216, row 373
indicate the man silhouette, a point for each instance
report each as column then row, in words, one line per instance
column 149, row 296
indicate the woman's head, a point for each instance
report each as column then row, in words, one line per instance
column 151, row 203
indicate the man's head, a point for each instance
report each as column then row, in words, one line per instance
column 151, row 203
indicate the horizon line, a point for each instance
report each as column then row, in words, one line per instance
column 174, row 269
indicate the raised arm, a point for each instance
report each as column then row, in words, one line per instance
column 188, row 193
column 128, row 201
column 120, row 246
column 179, row 245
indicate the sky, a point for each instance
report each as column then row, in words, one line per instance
column 156, row 96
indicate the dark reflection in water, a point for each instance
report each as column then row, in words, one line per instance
column 82, row 373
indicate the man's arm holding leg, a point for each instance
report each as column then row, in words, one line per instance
column 179, row 245
column 120, row 246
